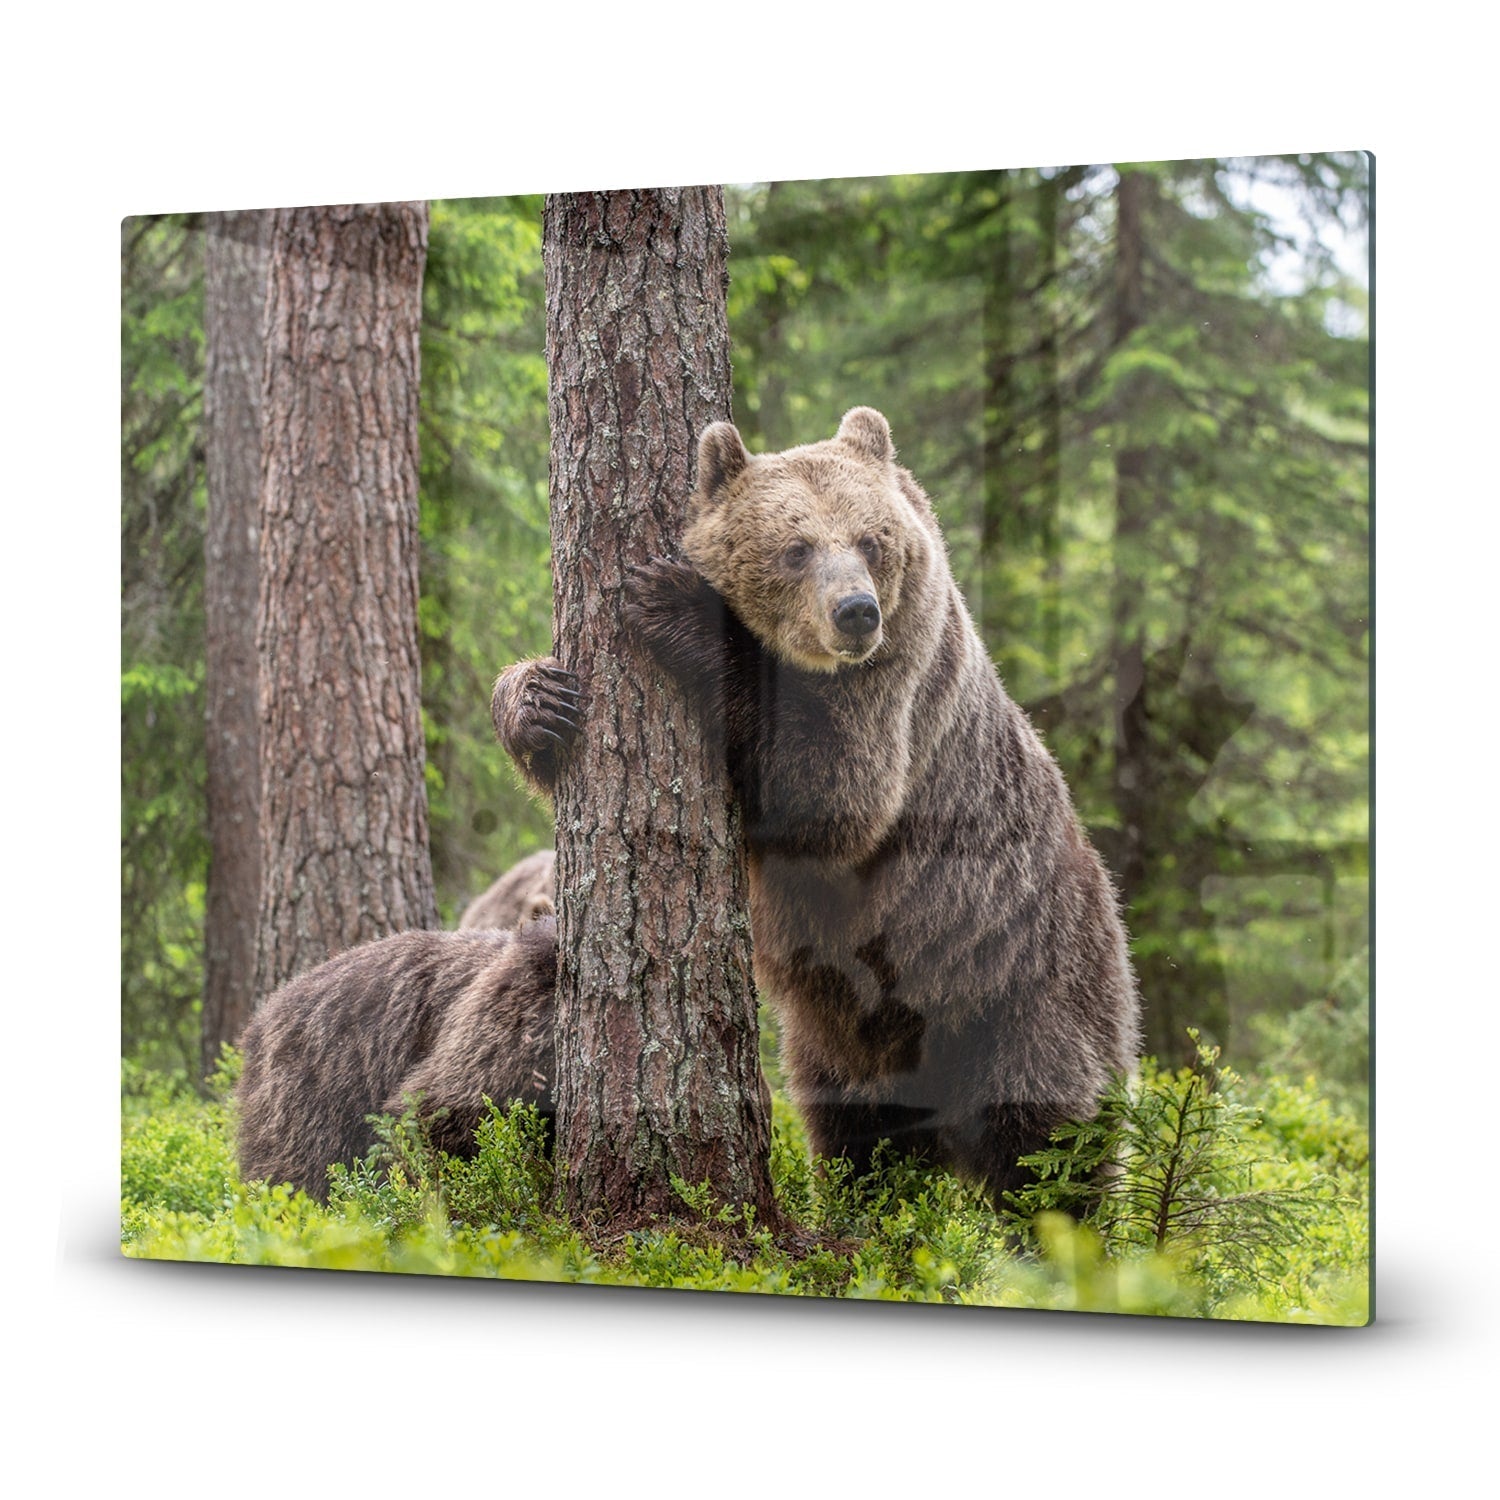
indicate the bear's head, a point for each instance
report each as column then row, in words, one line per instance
column 810, row 547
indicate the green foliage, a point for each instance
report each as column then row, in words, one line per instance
column 403, row 1179
column 397, row 1183
column 510, row 1180
column 901, row 1233
column 1165, row 1164
column 1327, row 1039
column 1181, row 1163
column 176, row 1149
column 486, row 545
column 163, row 832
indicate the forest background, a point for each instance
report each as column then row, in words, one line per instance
column 1139, row 400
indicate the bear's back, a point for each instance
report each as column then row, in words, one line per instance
column 330, row 1045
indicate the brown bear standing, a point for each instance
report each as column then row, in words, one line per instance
column 939, row 940
column 447, row 1016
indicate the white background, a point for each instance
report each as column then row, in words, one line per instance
column 129, row 1377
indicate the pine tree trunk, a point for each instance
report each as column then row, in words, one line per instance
column 1049, row 455
column 657, row 1046
column 998, row 519
column 343, row 816
column 236, row 247
column 1132, row 788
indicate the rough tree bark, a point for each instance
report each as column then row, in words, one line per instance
column 1132, row 789
column 1049, row 192
column 236, row 246
column 343, row 816
column 657, row 1050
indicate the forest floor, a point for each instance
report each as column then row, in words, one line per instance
column 1277, row 1232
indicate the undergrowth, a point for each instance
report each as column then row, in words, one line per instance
column 1220, row 1198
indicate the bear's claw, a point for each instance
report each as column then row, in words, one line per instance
column 537, row 710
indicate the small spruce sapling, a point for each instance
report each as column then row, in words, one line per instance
column 1167, row 1164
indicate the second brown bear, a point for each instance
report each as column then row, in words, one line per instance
column 523, row 893
column 439, row 1019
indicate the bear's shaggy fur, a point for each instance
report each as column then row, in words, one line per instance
column 526, row 891
column 449, row 1016
column 939, row 940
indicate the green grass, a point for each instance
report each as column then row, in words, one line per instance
column 902, row 1234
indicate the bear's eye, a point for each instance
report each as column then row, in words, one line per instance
column 870, row 546
column 796, row 554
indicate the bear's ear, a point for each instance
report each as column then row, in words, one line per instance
column 721, row 456
column 868, row 433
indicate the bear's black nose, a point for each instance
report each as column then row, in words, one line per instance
column 858, row 615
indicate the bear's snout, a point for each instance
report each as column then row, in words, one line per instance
column 857, row 615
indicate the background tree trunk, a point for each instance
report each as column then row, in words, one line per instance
column 236, row 247
column 1134, row 502
column 344, row 850
column 657, row 1062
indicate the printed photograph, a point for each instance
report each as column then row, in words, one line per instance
column 797, row 737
